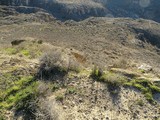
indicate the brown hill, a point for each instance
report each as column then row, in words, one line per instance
column 124, row 84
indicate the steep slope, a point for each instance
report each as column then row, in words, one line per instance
column 47, row 67
column 101, row 39
column 70, row 95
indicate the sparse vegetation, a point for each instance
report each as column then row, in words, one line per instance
column 11, row 51
column 97, row 73
column 114, row 80
column 122, row 63
column 25, row 53
column 149, row 97
column 2, row 117
column 16, row 93
column 60, row 97
column 154, row 88
column 146, row 87
column 140, row 102
column 19, row 95
column 55, row 87
column 52, row 64
column 39, row 41
column 107, row 77
column 27, row 49
column 55, row 63
column 71, row 90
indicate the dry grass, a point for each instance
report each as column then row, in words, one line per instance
column 121, row 63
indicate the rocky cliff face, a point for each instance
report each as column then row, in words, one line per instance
column 147, row 9
column 81, row 9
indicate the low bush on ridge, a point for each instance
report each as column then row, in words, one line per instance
column 55, row 63
column 115, row 80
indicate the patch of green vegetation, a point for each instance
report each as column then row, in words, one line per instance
column 25, row 52
column 115, row 80
column 128, row 84
column 108, row 77
column 2, row 117
column 28, row 50
column 141, row 71
column 146, row 87
column 11, row 51
column 71, row 90
column 18, row 85
column 55, row 87
column 60, row 97
column 16, row 95
column 149, row 97
column 140, row 102
column 140, row 87
column 154, row 88
column 96, row 73
column 7, row 80
column 75, row 69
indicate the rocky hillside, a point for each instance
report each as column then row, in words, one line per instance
column 99, row 68
column 58, row 86
column 81, row 9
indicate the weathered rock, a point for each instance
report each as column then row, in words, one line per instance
column 145, row 68
column 16, row 42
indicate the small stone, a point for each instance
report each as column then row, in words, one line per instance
column 80, row 100
column 145, row 111
column 20, row 55
column 64, row 107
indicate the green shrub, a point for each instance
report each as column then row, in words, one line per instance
column 122, row 63
column 140, row 103
column 22, row 88
column 112, row 78
column 146, row 87
column 128, row 84
column 39, row 41
column 25, row 52
column 71, row 90
column 55, row 87
column 56, row 63
column 96, row 73
column 140, row 87
column 149, row 97
column 143, row 82
column 154, row 88
column 2, row 117
column 11, row 51
column 18, row 85
column 74, row 65
column 60, row 97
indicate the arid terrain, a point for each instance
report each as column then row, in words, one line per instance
column 97, row 69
